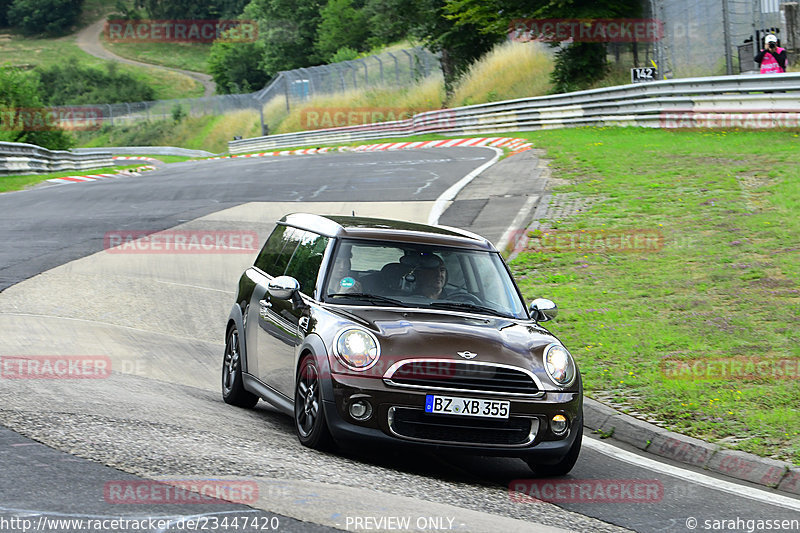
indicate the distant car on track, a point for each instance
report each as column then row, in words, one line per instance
column 394, row 332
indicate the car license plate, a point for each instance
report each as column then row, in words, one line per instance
column 449, row 405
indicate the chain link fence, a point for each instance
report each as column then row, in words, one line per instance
column 712, row 37
column 397, row 68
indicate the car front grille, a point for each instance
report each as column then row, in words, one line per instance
column 463, row 376
column 415, row 424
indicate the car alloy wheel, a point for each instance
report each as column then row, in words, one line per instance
column 309, row 415
column 233, row 391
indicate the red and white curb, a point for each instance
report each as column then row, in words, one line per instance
column 135, row 158
column 99, row 177
column 515, row 145
column 303, row 151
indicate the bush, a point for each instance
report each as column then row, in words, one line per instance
column 342, row 26
column 236, row 67
column 20, row 90
column 73, row 84
column 52, row 17
column 344, row 54
column 578, row 66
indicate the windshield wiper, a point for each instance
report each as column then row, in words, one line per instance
column 470, row 307
column 367, row 296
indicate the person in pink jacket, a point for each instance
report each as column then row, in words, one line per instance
column 772, row 58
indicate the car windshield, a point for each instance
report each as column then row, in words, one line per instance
column 413, row 275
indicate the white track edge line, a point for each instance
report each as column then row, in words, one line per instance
column 752, row 493
column 440, row 204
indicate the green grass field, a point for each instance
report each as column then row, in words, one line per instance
column 186, row 56
column 17, row 182
column 719, row 296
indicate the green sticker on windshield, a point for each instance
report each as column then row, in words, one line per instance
column 346, row 283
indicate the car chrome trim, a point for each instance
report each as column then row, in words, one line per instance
column 531, row 435
column 347, row 365
column 268, row 394
column 574, row 365
column 387, row 378
column 432, row 310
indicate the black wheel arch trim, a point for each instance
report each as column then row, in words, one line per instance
column 314, row 345
column 237, row 318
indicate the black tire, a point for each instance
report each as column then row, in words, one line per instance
column 563, row 467
column 309, row 415
column 233, row 391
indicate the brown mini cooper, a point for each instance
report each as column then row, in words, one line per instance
column 369, row 329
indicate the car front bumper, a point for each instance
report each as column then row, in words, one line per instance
column 398, row 418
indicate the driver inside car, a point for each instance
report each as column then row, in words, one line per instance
column 431, row 276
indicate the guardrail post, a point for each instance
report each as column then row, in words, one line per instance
column 286, row 90
column 380, row 66
column 396, row 67
column 366, row 74
column 410, row 63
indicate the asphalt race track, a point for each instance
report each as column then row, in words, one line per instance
column 157, row 321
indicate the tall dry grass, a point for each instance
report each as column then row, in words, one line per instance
column 382, row 102
column 511, row 70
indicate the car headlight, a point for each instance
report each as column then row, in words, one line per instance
column 357, row 349
column 559, row 365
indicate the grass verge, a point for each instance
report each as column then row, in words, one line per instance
column 700, row 332
column 31, row 52
column 186, row 56
column 210, row 133
column 18, row 182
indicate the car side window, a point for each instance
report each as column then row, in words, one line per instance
column 277, row 251
column 306, row 260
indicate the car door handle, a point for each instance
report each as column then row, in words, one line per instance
column 265, row 303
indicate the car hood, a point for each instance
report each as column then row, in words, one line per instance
column 409, row 334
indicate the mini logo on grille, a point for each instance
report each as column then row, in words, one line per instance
column 467, row 355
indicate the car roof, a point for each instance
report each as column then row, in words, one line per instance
column 386, row 230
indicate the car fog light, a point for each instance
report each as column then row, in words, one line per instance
column 559, row 424
column 360, row 410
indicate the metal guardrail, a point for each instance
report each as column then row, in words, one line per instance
column 145, row 150
column 670, row 103
column 22, row 158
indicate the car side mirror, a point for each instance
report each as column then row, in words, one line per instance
column 286, row 288
column 543, row 310
column 283, row 287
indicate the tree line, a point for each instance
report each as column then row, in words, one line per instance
column 302, row 33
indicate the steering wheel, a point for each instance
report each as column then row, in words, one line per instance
column 461, row 295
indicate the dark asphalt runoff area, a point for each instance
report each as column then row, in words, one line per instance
column 53, row 225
